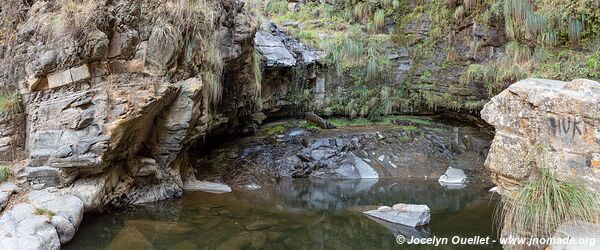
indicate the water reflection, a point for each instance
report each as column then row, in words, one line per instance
column 300, row 214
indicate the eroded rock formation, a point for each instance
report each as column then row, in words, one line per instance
column 552, row 122
column 113, row 93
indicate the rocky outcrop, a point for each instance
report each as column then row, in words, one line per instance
column 45, row 220
column 424, row 150
column 550, row 122
column 110, row 109
column 113, row 95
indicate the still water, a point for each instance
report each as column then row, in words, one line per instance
column 299, row 214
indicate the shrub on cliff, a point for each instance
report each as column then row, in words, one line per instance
column 10, row 103
column 4, row 173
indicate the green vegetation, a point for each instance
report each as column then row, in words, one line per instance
column 213, row 88
column 309, row 126
column 405, row 138
column 10, row 102
column 341, row 122
column 544, row 203
column 257, row 70
column 4, row 173
column 274, row 129
column 352, row 34
column 546, row 38
column 44, row 212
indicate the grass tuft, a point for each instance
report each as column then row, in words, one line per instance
column 213, row 88
column 10, row 102
column 257, row 69
column 544, row 202
column 4, row 173
column 44, row 212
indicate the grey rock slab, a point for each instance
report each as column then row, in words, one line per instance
column 404, row 214
column 273, row 50
column 68, row 206
column 21, row 229
column 205, row 186
column 6, row 190
column 365, row 170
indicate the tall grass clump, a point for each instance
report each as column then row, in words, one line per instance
column 257, row 70
column 276, row 7
column 544, row 202
column 575, row 29
column 459, row 13
column 379, row 19
column 518, row 53
column 213, row 91
column 73, row 18
column 535, row 24
column 10, row 102
column 4, row 173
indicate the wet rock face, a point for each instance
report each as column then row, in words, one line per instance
column 561, row 117
column 357, row 153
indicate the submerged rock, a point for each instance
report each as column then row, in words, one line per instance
column 261, row 224
column 406, row 231
column 405, row 214
column 205, row 186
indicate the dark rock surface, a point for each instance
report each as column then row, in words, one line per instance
column 423, row 151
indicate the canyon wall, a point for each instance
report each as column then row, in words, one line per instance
column 114, row 92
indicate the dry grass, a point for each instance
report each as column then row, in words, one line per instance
column 10, row 102
column 4, row 173
column 257, row 68
column 73, row 18
column 213, row 89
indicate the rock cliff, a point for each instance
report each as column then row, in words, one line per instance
column 112, row 94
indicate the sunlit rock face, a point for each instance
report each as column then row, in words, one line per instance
column 552, row 122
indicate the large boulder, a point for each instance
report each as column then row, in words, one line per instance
column 404, row 214
column 273, row 50
column 561, row 117
column 6, row 190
